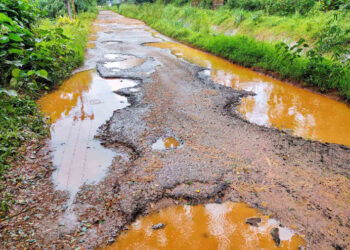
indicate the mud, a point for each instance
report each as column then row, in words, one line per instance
column 304, row 184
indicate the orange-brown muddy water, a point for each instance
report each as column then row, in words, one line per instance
column 211, row 226
column 276, row 104
column 166, row 143
column 80, row 105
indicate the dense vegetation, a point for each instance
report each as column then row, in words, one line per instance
column 55, row 8
column 35, row 55
column 321, row 61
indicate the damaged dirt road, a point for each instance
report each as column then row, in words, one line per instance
column 213, row 155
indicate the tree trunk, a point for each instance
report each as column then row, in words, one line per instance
column 73, row 5
column 69, row 9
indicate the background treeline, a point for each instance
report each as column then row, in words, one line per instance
column 55, row 8
column 36, row 54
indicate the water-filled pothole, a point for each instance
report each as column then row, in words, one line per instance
column 211, row 226
column 112, row 42
column 128, row 61
column 276, row 104
column 77, row 108
column 166, row 143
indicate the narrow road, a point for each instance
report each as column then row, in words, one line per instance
column 210, row 152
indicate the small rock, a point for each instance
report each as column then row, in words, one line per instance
column 111, row 240
column 61, row 224
column 337, row 247
column 253, row 221
column 81, row 241
column 158, row 226
column 218, row 201
column 26, row 218
column 301, row 248
column 276, row 236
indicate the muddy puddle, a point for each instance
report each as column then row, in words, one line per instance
column 123, row 61
column 276, row 104
column 77, row 108
column 166, row 143
column 211, row 226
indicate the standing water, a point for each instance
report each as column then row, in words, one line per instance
column 211, row 226
column 276, row 104
column 77, row 109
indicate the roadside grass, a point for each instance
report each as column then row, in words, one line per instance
column 193, row 26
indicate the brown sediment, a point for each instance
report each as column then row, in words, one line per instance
column 211, row 226
column 93, row 38
column 276, row 104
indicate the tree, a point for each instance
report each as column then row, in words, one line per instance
column 69, row 10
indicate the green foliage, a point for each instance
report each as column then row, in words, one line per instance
column 55, row 8
column 298, row 62
column 85, row 6
column 333, row 38
column 52, row 8
column 32, row 56
column 282, row 7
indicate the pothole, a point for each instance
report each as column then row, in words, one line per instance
column 115, row 56
column 77, row 109
column 211, row 226
column 128, row 61
column 112, row 42
column 166, row 143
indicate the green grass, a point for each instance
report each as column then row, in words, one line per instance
column 194, row 26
